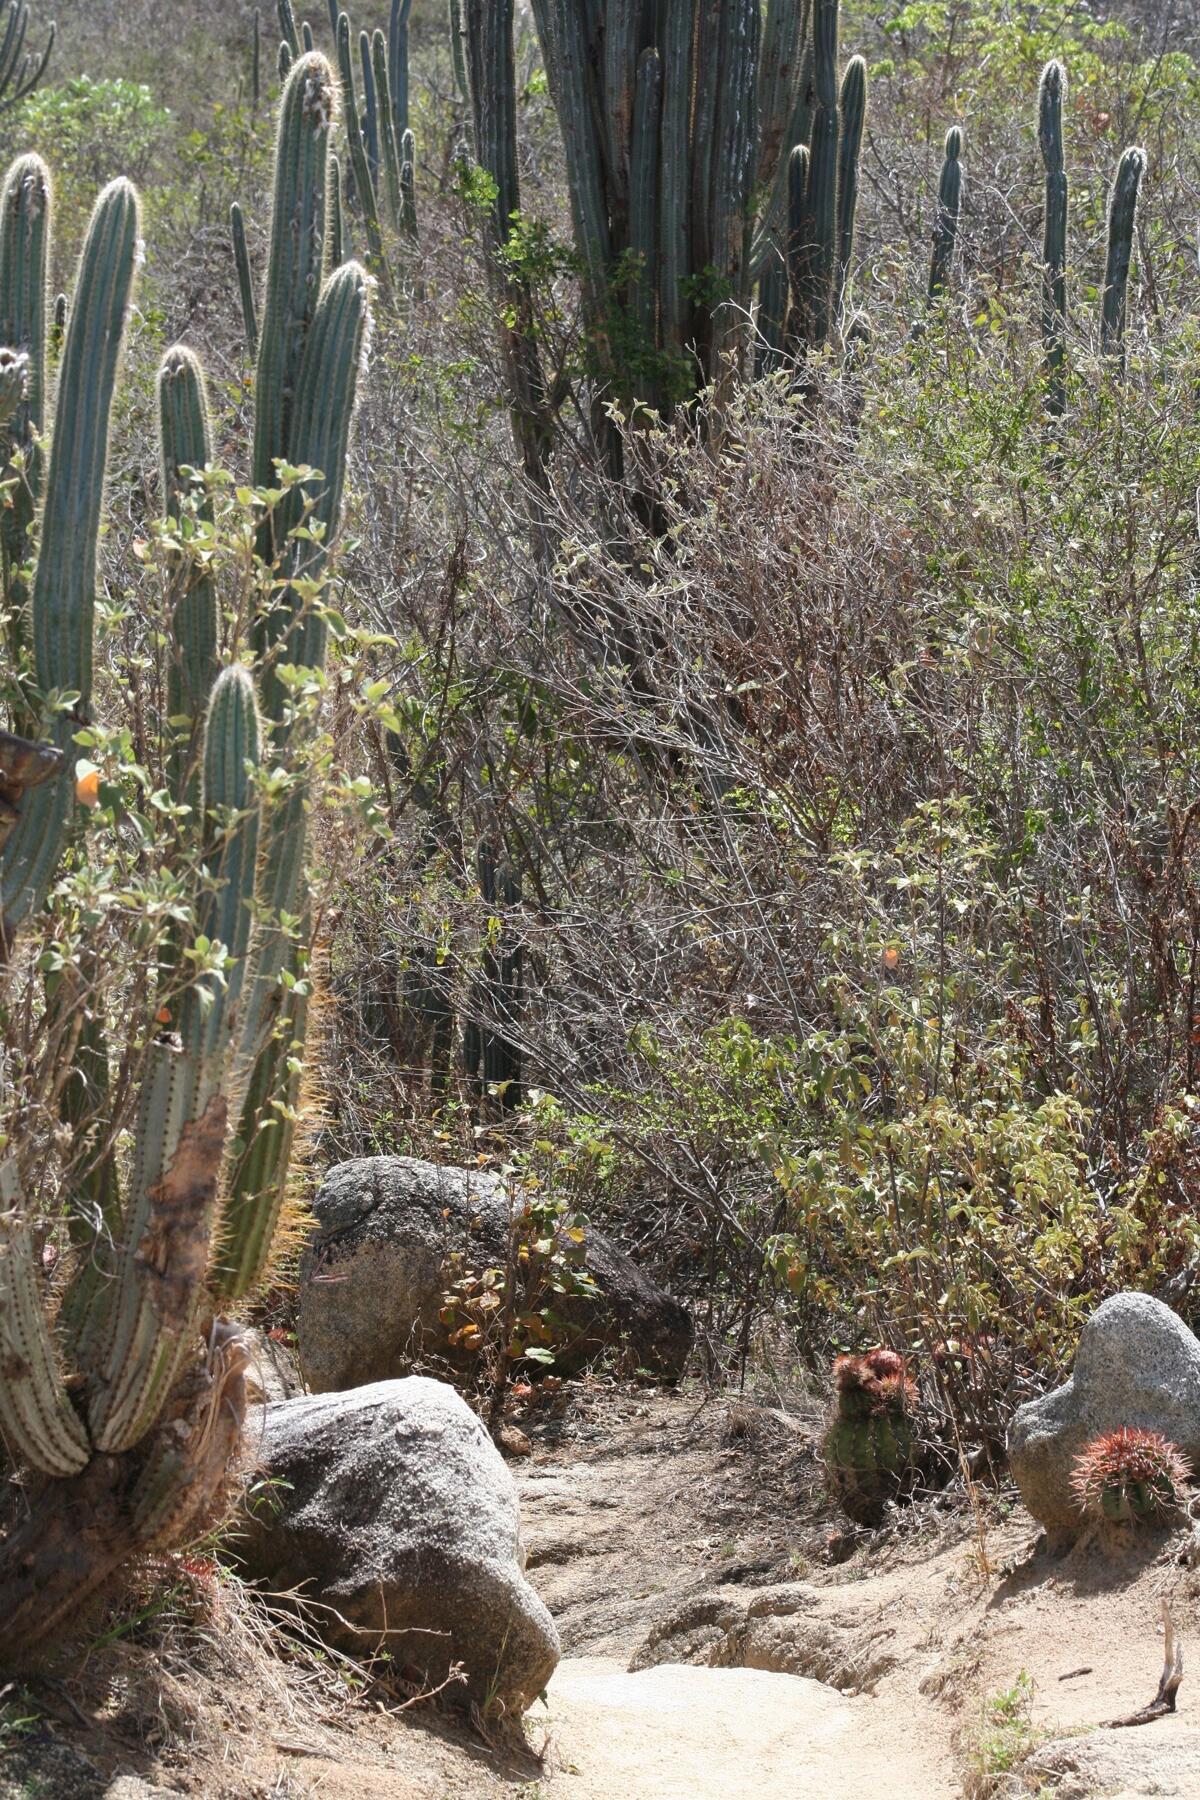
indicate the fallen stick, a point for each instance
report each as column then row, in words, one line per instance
column 1168, row 1686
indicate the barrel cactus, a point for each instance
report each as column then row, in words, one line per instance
column 124, row 1391
column 1130, row 1474
column 871, row 1448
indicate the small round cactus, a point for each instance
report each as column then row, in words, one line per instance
column 1129, row 1474
column 871, row 1449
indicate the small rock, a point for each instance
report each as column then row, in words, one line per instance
column 391, row 1506
column 1137, row 1364
column 372, row 1279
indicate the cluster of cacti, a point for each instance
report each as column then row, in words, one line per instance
column 1129, row 1474
column 871, row 1448
column 677, row 122
column 1122, row 213
column 380, row 144
column 20, row 69
column 141, row 1429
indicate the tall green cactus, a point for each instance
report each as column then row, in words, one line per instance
column 1122, row 216
column 945, row 221
column 817, row 248
column 853, row 124
column 1052, row 94
column 145, row 1426
column 487, row 28
column 24, row 258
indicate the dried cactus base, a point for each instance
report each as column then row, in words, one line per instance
column 79, row 1537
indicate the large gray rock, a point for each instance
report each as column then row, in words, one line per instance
column 392, row 1507
column 372, row 1278
column 1118, row 1763
column 1137, row 1364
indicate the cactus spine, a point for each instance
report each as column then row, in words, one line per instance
column 945, row 223
column 129, row 1320
column 1122, row 216
column 1051, row 95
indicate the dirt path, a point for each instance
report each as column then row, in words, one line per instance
column 682, row 1733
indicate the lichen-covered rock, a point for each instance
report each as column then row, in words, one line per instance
column 373, row 1276
column 391, row 1506
column 1137, row 1364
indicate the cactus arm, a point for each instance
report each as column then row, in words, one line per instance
column 797, row 227
column 621, row 68
column 408, row 186
column 772, row 312
column 258, row 1182
column 1051, row 97
column 24, row 256
column 389, row 149
column 772, row 223
column 363, row 184
column 488, row 25
column 643, row 192
column 339, row 238
column 1122, row 216
column 818, row 248
column 21, row 72
column 706, row 78
column 296, row 261
column 674, row 164
column 780, row 70
column 287, row 29
column 185, row 442
column 36, row 1414
column 241, row 257
column 945, row 224
column 733, row 167
column 568, row 52
column 370, row 113
column 458, row 52
column 153, row 1304
column 854, row 118
column 64, row 584
column 397, row 64
column 286, row 59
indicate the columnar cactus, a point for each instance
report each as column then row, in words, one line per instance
column 815, row 246
column 726, row 82
column 945, row 223
column 21, row 70
column 241, row 258
column 142, row 1428
column 1051, row 96
column 1122, row 215
column 487, row 28
column 853, row 123
column 871, row 1449
column 24, row 254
